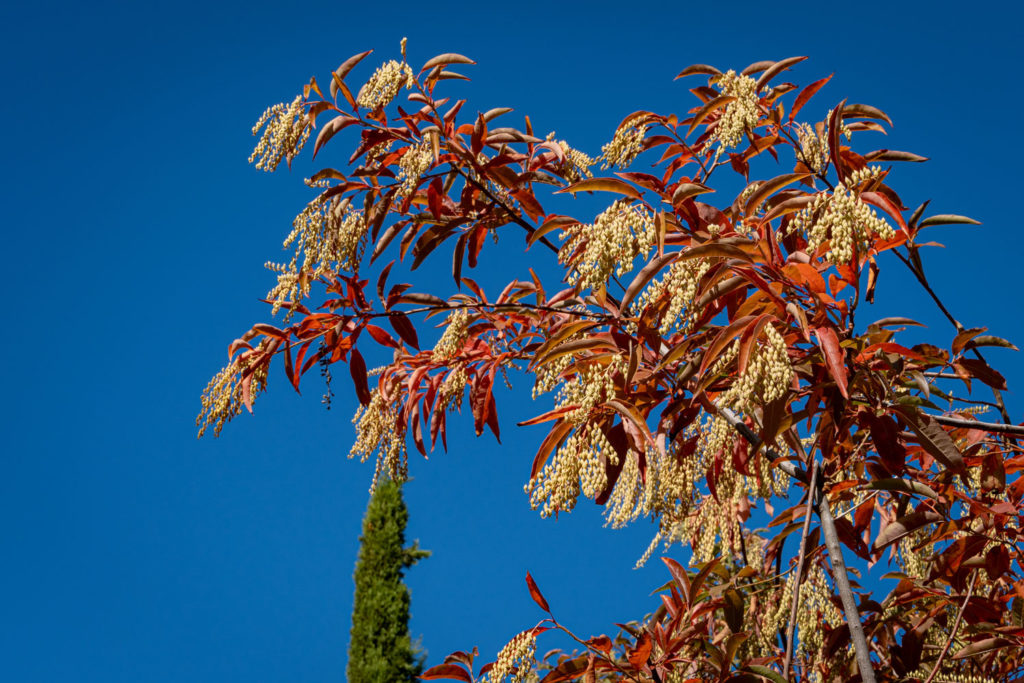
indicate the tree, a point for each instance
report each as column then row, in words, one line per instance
column 706, row 355
column 380, row 650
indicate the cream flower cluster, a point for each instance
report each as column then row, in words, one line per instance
column 669, row 491
column 768, row 373
column 329, row 236
column 222, row 398
column 739, row 115
column 577, row 164
column 608, row 246
column 813, row 147
column 912, row 562
column 948, row 676
column 284, row 134
column 515, row 659
column 766, row 378
column 815, row 609
column 384, row 84
column 377, row 432
column 411, row 167
column 680, row 284
column 578, row 466
column 456, row 332
column 630, row 496
column 624, row 147
column 549, row 375
column 587, row 388
column 452, row 389
column 842, row 219
column 713, row 526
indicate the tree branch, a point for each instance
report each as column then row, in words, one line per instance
column 997, row 427
column 860, row 643
column 790, row 637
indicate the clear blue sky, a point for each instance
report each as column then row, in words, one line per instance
column 134, row 235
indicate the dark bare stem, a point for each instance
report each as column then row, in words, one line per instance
column 919, row 274
column 952, row 634
column 511, row 212
column 972, row 400
column 790, row 637
column 995, row 427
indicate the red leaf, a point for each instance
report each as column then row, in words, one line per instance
column 883, row 203
column 806, row 94
column 933, row 438
column 638, row 657
column 492, row 415
column 289, row 368
column 602, row 643
column 835, row 123
column 679, row 574
column 530, row 204
column 332, row 127
column 568, row 670
column 400, row 322
column 984, row 372
column 446, row 671
column 381, row 336
column 834, row 359
column 357, row 366
column 536, row 594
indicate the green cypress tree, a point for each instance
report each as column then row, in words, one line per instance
column 380, row 650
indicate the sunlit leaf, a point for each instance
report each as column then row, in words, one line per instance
column 603, row 185
column 947, row 219
column 445, row 59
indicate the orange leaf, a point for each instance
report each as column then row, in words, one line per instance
column 834, row 359
column 806, row 94
column 638, row 656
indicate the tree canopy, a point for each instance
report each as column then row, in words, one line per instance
column 380, row 649
column 709, row 370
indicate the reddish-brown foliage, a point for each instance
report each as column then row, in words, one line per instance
column 709, row 358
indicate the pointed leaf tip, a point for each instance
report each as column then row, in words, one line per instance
column 536, row 594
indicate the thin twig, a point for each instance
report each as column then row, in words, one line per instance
column 918, row 270
column 790, row 637
column 952, row 634
column 591, row 648
column 950, row 397
column 919, row 274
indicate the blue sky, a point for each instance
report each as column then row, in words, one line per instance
column 135, row 233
